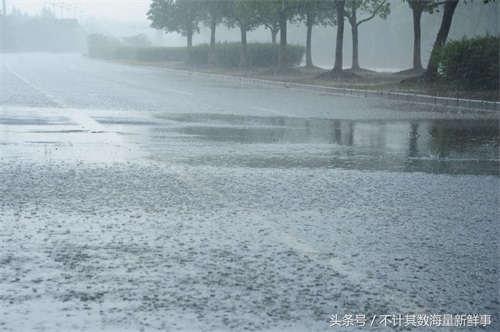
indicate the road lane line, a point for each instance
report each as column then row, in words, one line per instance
column 179, row 92
column 270, row 111
column 78, row 117
column 393, row 297
column 34, row 87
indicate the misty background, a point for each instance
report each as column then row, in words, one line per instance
column 63, row 26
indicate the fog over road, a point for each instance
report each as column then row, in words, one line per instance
column 139, row 198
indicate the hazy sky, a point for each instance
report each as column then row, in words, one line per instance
column 115, row 9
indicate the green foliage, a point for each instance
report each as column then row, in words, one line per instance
column 420, row 6
column 125, row 53
column 102, row 47
column 321, row 12
column 213, row 10
column 225, row 55
column 25, row 33
column 140, row 40
column 109, row 48
column 159, row 54
column 243, row 14
column 266, row 55
column 181, row 16
column 268, row 13
column 198, row 55
column 371, row 8
column 259, row 55
column 472, row 63
column 97, row 40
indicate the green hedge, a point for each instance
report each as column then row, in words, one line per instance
column 146, row 54
column 472, row 63
column 266, row 54
column 226, row 55
column 159, row 54
column 198, row 55
column 108, row 53
column 102, row 47
column 126, row 53
column 259, row 55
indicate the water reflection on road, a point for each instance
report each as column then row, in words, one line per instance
column 432, row 146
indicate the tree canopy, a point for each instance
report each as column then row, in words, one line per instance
column 181, row 16
column 186, row 16
column 371, row 8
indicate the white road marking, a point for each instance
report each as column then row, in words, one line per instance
column 58, row 102
column 180, row 92
column 269, row 110
column 76, row 116
column 393, row 296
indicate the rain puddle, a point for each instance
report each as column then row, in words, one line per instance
column 433, row 146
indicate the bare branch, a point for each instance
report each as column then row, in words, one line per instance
column 374, row 13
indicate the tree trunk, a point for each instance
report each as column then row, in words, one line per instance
column 189, row 39
column 355, row 38
column 309, row 23
column 213, row 26
column 355, row 48
column 274, row 33
column 282, row 60
column 449, row 10
column 417, row 61
column 414, row 140
column 337, row 67
column 275, row 28
column 243, row 51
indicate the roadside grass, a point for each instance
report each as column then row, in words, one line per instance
column 362, row 79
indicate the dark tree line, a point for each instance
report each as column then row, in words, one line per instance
column 20, row 32
column 186, row 16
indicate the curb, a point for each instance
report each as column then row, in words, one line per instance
column 458, row 103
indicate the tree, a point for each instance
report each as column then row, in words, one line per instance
column 98, row 40
column 17, row 15
column 213, row 14
column 243, row 14
column 444, row 29
column 475, row 17
column 284, row 7
column 418, row 7
column 315, row 12
column 339, row 46
column 372, row 7
column 268, row 14
column 181, row 16
column 140, row 40
column 47, row 14
column 449, row 9
column 101, row 46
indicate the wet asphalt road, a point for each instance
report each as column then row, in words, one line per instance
column 141, row 198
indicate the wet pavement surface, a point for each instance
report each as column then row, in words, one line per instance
column 138, row 199
column 431, row 146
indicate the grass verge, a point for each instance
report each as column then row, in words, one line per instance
column 361, row 79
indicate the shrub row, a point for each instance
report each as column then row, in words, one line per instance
column 472, row 63
column 258, row 55
column 158, row 54
column 225, row 55
column 103, row 52
column 147, row 54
